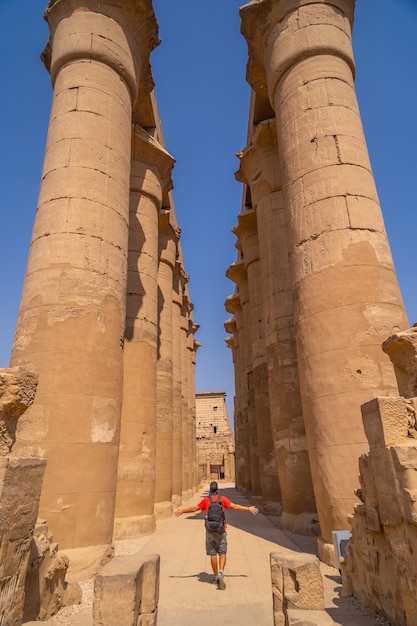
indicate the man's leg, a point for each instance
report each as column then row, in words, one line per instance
column 222, row 564
column 214, row 565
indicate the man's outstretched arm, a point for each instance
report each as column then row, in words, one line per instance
column 190, row 509
column 238, row 507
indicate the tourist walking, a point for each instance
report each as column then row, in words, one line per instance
column 214, row 506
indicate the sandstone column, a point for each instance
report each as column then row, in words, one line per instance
column 72, row 315
column 186, row 458
column 150, row 176
column 237, row 273
column 246, row 232
column 168, row 242
column 179, row 275
column 344, row 285
column 193, row 347
column 239, row 459
column 242, row 436
column 259, row 164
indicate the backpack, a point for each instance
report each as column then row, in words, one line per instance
column 215, row 517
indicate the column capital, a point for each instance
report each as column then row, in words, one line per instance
column 229, row 341
column 259, row 162
column 233, row 304
column 151, row 166
column 230, row 326
column 169, row 236
column 280, row 34
column 122, row 34
column 246, row 232
column 146, row 148
column 236, row 272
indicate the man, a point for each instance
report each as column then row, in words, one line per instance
column 216, row 542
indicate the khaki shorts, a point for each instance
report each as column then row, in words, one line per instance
column 216, row 543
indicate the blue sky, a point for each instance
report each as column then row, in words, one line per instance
column 199, row 71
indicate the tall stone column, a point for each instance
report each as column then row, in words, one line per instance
column 260, row 166
column 168, row 242
column 150, row 177
column 345, row 289
column 177, row 432
column 237, row 273
column 242, row 438
column 246, row 232
column 72, row 316
column 233, row 343
column 193, row 346
column 186, row 458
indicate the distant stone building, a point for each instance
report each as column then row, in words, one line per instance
column 215, row 439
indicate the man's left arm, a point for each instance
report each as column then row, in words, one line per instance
column 239, row 507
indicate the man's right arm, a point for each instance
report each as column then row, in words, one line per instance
column 190, row 509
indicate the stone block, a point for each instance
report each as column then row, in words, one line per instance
column 126, row 591
column 385, row 421
column 46, row 590
column 20, row 488
column 296, row 581
column 402, row 349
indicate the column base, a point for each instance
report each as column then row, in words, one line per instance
column 302, row 524
column 133, row 527
column 86, row 562
column 326, row 552
column 272, row 508
column 163, row 510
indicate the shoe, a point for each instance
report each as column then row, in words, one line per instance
column 222, row 583
column 215, row 580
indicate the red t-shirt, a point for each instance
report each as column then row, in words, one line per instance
column 204, row 504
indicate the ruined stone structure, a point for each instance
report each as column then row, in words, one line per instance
column 380, row 566
column 20, row 489
column 316, row 291
column 297, row 589
column 106, row 317
column 215, row 439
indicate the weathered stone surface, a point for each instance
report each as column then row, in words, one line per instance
column 46, row 589
column 296, row 580
column 20, row 489
column 17, row 393
column 402, row 350
column 126, row 591
column 379, row 567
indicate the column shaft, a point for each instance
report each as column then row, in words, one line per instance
column 164, row 429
